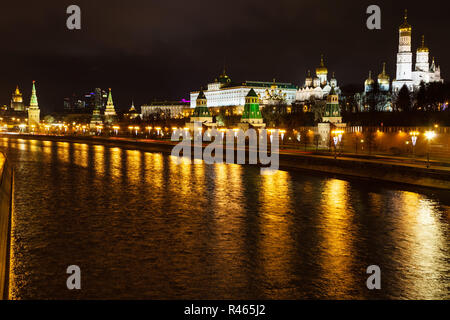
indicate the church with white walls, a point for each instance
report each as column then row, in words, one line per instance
column 423, row 71
column 319, row 87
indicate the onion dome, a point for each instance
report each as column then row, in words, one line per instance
column 383, row 77
column 321, row 70
column 223, row 78
column 308, row 76
column 405, row 26
column 333, row 78
column 369, row 80
column 423, row 48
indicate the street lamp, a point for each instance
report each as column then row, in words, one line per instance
column 337, row 138
column 283, row 132
column 414, row 135
column 116, row 130
column 149, row 130
column 99, row 129
column 429, row 135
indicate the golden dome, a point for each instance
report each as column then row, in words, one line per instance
column 369, row 80
column 383, row 78
column 405, row 26
column 308, row 76
column 423, row 48
column 321, row 70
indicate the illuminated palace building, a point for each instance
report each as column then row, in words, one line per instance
column 424, row 72
column 223, row 92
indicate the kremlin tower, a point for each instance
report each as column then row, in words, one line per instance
column 33, row 110
column 201, row 112
column 110, row 111
column 252, row 114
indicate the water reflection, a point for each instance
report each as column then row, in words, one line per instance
column 143, row 226
column 277, row 247
column 337, row 235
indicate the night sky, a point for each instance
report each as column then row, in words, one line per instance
column 149, row 50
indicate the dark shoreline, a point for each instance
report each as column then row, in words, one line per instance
column 353, row 168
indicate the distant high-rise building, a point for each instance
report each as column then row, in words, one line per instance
column 33, row 110
column 74, row 104
column 17, row 101
column 96, row 117
column 95, row 98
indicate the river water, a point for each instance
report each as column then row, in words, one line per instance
column 141, row 226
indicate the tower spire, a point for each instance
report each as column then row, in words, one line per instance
column 110, row 110
column 33, row 100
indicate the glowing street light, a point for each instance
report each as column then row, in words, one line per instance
column 414, row 135
column 22, row 127
column 283, row 132
column 337, row 138
column 116, row 129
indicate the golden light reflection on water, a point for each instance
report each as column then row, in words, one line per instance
column 22, row 144
column 202, row 226
column 133, row 166
column 276, row 245
column 421, row 242
column 99, row 159
column 228, row 222
column 80, row 154
column 181, row 169
column 336, row 223
column 154, row 171
column 63, row 151
column 116, row 163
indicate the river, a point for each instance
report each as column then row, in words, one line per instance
column 141, row 226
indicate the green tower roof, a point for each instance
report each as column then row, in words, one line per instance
column 332, row 91
column 201, row 95
column 252, row 93
column 110, row 100
column 33, row 100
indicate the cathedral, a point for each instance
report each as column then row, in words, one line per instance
column 318, row 87
column 423, row 70
column 17, row 101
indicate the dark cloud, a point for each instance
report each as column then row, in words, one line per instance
column 164, row 49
